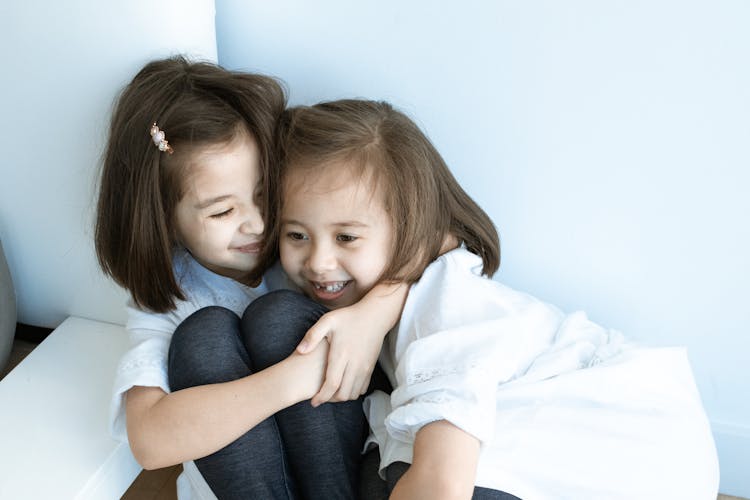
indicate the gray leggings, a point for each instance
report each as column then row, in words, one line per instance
column 299, row 453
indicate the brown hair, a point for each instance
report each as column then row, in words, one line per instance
column 196, row 104
column 423, row 199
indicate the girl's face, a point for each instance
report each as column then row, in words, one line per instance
column 335, row 235
column 218, row 219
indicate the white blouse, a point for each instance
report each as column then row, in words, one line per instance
column 563, row 408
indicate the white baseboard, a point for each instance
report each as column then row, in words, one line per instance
column 733, row 446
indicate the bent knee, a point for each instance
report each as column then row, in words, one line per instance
column 274, row 324
column 280, row 310
column 278, row 303
column 204, row 325
column 200, row 345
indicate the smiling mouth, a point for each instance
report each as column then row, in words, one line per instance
column 251, row 248
column 329, row 291
column 330, row 287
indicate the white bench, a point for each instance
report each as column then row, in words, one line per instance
column 54, row 439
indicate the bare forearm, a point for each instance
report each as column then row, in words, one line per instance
column 387, row 299
column 166, row 429
column 444, row 464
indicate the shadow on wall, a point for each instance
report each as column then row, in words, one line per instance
column 7, row 310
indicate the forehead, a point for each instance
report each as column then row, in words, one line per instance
column 337, row 187
column 241, row 144
column 328, row 177
column 232, row 161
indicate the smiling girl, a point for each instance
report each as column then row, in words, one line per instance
column 212, row 378
column 497, row 395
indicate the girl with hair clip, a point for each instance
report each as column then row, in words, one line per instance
column 497, row 395
column 211, row 380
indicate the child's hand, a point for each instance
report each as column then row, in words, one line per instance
column 354, row 347
column 355, row 334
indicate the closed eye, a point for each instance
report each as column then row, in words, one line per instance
column 222, row 214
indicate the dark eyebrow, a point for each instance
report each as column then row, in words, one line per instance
column 348, row 223
column 351, row 223
column 207, row 203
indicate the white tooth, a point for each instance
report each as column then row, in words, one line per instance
column 333, row 288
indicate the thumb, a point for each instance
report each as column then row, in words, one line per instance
column 314, row 335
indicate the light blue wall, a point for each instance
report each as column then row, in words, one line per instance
column 61, row 66
column 609, row 141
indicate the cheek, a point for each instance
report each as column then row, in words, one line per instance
column 186, row 233
column 286, row 256
column 386, row 251
column 203, row 235
column 373, row 265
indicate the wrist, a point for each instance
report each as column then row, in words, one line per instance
column 295, row 381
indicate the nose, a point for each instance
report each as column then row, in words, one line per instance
column 252, row 222
column 321, row 259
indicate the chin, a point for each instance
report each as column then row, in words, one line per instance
column 340, row 305
column 344, row 302
column 332, row 305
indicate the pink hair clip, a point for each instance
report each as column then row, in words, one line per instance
column 159, row 139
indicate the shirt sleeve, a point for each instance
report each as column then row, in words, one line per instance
column 444, row 377
column 144, row 364
column 460, row 337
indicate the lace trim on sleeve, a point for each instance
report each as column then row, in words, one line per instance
column 425, row 375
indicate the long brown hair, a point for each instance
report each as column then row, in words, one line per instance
column 196, row 104
column 423, row 199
